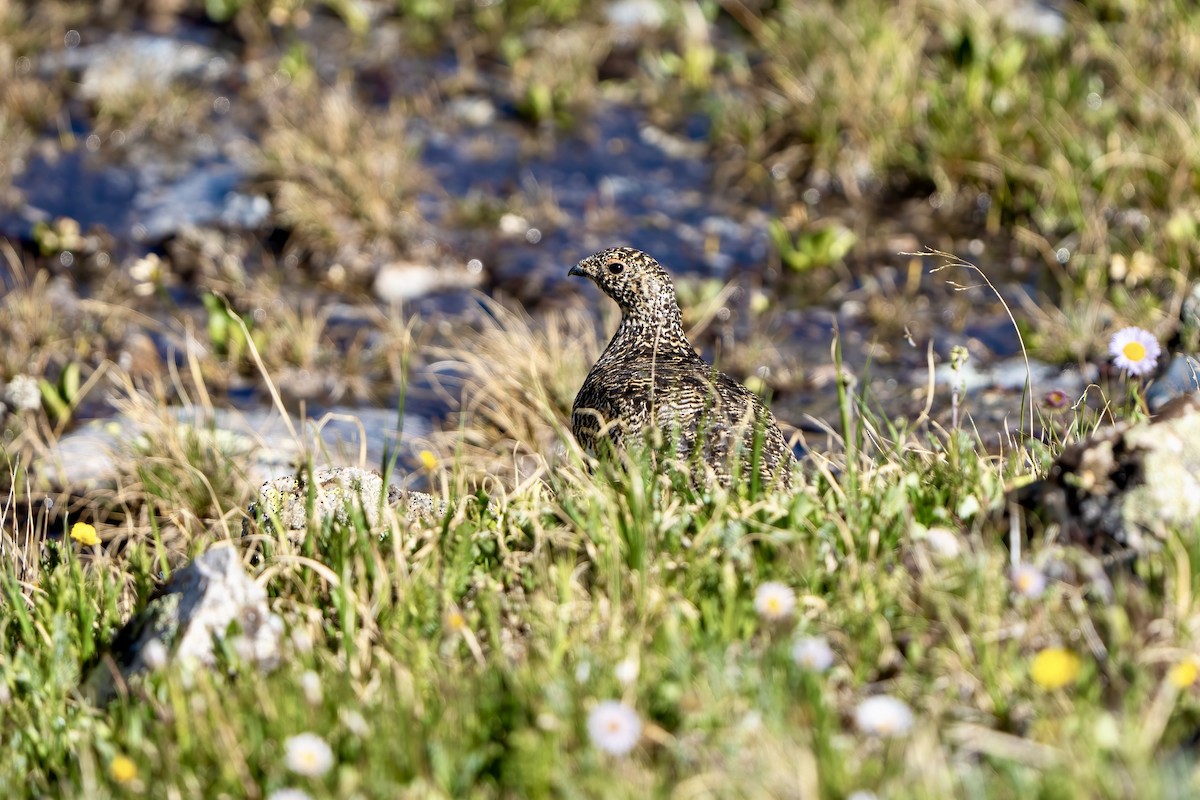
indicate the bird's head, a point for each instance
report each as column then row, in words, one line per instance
column 634, row 279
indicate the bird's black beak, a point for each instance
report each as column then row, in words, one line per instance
column 575, row 270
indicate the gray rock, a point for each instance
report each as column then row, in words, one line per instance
column 196, row 607
column 124, row 63
column 1011, row 374
column 1181, row 376
column 1129, row 486
column 257, row 440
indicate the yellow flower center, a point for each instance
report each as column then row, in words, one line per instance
column 1134, row 351
column 773, row 605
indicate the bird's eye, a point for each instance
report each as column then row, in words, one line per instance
column 615, row 267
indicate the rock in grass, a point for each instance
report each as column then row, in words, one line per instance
column 1128, row 486
column 208, row 600
column 650, row 378
column 335, row 493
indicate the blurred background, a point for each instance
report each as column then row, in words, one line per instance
column 362, row 190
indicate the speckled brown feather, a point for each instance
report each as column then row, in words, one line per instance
column 649, row 376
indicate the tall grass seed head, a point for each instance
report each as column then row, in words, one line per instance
column 1134, row 350
column 614, row 727
column 310, row 682
column 774, row 601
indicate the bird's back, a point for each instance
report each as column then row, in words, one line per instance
column 706, row 414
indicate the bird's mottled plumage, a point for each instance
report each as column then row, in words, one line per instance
column 650, row 377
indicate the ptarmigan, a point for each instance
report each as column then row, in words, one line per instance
column 650, row 378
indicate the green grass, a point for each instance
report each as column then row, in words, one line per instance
column 473, row 647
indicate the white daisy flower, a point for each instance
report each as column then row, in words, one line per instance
column 355, row 722
column 813, row 653
column 1028, row 580
column 774, row 601
column 614, row 727
column 1134, row 350
column 883, row 715
column 307, row 754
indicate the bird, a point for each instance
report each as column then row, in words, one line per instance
column 649, row 379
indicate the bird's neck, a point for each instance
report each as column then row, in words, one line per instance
column 659, row 334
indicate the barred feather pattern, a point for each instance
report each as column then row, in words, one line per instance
column 649, row 378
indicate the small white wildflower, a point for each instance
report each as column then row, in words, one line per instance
column 583, row 671
column 883, row 715
column 1028, row 580
column 310, row 682
column 944, row 542
column 154, row 654
column 626, row 671
column 307, row 754
column 23, row 393
column 614, row 727
column 289, row 794
column 862, row 794
column 812, row 652
column 354, row 722
column 1134, row 350
column 774, row 601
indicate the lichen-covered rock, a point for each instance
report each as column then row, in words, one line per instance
column 1128, row 486
column 335, row 493
column 210, row 598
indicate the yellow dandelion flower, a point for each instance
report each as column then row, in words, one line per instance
column 1054, row 668
column 1184, row 674
column 85, row 534
column 428, row 460
column 456, row 622
column 122, row 769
